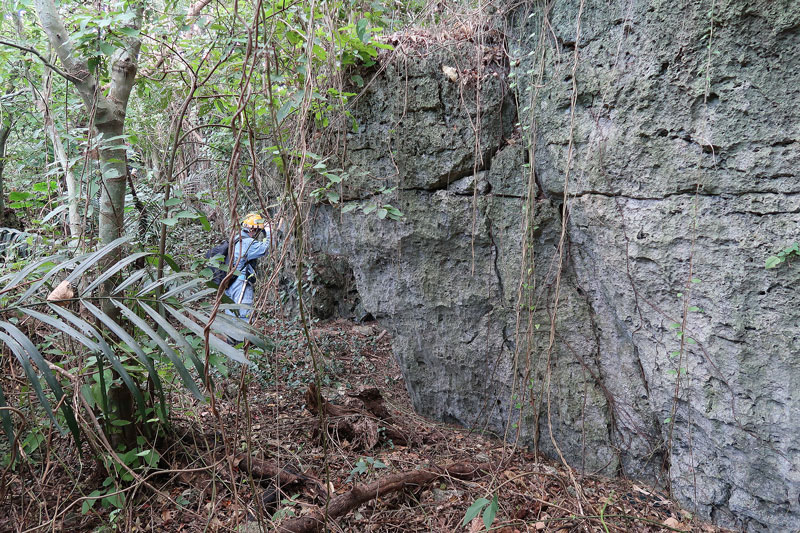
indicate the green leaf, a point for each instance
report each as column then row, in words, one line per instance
column 169, row 221
column 29, row 351
column 136, row 276
column 361, row 30
column 490, row 513
column 204, row 221
column 93, row 258
column 113, row 270
column 186, row 348
column 106, row 48
column 128, row 31
column 234, row 327
column 773, row 261
column 142, row 357
column 22, row 274
column 100, row 346
column 150, row 287
column 18, row 196
column 188, row 382
column 37, row 284
column 5, row 415
column 474, row 510
column 218, row 345
column 183, row 287
column 173, row 201
column 286, row 109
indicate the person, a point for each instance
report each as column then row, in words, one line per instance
column 253, row 243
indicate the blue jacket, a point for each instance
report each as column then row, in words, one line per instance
column 244, row 250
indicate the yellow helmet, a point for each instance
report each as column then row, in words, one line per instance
column 253, row 221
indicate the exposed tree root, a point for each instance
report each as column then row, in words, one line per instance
column 360, row 494
column 365, row 428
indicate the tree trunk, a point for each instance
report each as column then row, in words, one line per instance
column 5, row 131
column 108, row 111
column 73, row 190
column 109, row 117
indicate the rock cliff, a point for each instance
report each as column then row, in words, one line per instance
column 580, row 264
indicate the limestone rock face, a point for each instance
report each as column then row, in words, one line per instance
column 674, row 354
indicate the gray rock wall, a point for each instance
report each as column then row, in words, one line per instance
column 675, row 354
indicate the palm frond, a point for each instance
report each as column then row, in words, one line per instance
column 165, row 320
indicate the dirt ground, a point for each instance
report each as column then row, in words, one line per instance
column 204, row 482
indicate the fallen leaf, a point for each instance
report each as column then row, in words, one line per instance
column 539, row 526
column 476, row 525
column 673, row 522
column 450, row 72
column 62, row 292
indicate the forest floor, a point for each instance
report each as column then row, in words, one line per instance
column 207, row 483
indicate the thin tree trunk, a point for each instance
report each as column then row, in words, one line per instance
column 41, row 98
column 5, row 132
column 73, row 190
column 108, row 116
column 108, row 110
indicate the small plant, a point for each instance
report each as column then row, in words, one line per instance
column 774, row 261
column 365, row 465
column 369, row 206
column 489, row 508
column 287, row 508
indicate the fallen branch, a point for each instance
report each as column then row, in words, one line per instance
column 269, row 470
column 361, row 494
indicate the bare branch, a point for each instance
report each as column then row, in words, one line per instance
column 46, row 63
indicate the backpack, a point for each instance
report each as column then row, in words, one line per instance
column 218, row 274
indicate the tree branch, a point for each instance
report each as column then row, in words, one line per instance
column 197, row 8
column 46, row 63
column 59, row 37
column 124, row 63
column 360, row 494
